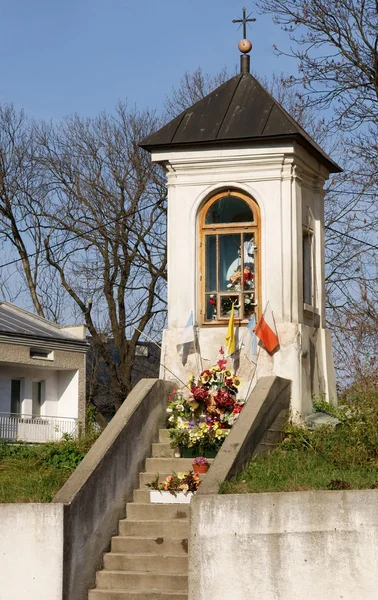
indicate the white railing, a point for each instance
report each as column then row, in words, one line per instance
column 34, row 429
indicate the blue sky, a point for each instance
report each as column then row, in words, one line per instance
column 84, row 56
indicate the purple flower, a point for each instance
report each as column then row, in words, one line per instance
column 191, row 423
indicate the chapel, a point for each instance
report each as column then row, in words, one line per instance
column 246, row 229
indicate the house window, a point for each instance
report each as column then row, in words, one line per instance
column 41, row 354
column 15, row 397
column 141, row 350
column 37, row 399
column 308, row 285
column 229, row 273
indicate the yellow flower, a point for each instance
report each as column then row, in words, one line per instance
column 181, row 475
column 228, row 374
column 236, row 382
column 205, row 378
column 193, row 404
column 215, row 369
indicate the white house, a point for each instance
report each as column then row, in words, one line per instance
column 246, row 225
column 42, row 376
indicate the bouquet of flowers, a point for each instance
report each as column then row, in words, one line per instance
column 201, row 416
column 178, row 482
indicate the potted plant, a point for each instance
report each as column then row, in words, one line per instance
column 200, row 464
column 175, row 489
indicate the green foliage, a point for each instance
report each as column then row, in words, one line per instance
column 35, row 473
column 316, row 459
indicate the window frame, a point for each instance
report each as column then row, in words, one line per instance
column 308, row 267
column 251, row 227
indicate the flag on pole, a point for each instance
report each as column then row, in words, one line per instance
column 251, row 339
column 187, row 335
column 230, row 335
column 266, row 329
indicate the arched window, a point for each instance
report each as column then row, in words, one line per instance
column 229, row 241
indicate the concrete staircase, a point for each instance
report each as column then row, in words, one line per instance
column 148, row 559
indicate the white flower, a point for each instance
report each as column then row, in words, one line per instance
column 247, row 301
column 171, row 419
column 180, row 407
column 229, row 285
column 169, row 411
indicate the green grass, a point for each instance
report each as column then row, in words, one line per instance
column 295, row 470
column 36, row 473
column 341, row 458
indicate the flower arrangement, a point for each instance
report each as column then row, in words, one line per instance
column 201, row 416
column 178, row 482
column 200, row 461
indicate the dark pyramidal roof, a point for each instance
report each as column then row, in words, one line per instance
column 238, row 111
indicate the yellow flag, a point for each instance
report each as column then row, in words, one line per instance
column 230, row 335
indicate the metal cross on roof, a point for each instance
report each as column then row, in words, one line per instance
column 244, row 20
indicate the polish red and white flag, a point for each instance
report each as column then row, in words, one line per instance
column 266, row 329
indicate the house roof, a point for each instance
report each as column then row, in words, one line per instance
column 20, row 323
column 240, row 110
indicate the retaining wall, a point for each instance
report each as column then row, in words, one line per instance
column 316, row 545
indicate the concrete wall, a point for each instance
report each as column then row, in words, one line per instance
column 315, row 545
column 95, row 495
column 31, row 551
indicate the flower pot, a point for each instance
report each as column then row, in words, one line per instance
column 193, row 452
column 200, row 468
column 163, row 497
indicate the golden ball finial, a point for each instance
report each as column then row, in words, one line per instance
column 245, row 46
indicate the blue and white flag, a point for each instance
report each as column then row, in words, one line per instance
column 251, row 339
column 187, row 336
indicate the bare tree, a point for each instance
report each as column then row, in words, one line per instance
column 107, row 212
column 21, row 194
column 192, row 87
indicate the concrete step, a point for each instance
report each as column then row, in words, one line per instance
column 162, row 450
column 148, row 477
column 175, row 528
column 141, row 495
column 164, row 435
column 145, row 545
column 157, row 465
column 155, row 512
column 127, row 580
column 136, row 595
column 151, row 563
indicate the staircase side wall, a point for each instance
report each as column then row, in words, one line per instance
column 270, row 396
column 96, row 493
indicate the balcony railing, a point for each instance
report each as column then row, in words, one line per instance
column 34, row 429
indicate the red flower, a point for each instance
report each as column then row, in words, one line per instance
column 212, row 301
column 199, row 392
column 221, row 351
column 222, row 364
column 224, row 399
column 237, row 409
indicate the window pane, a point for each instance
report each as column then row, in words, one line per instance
column 249, row 308
column 36, row 398
column 16, row 396
column 307, row 268
column 226, row 305
column 229, row 262
column 211, row 307
column 249, row 261
column 211, row 263
column 229, row 209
